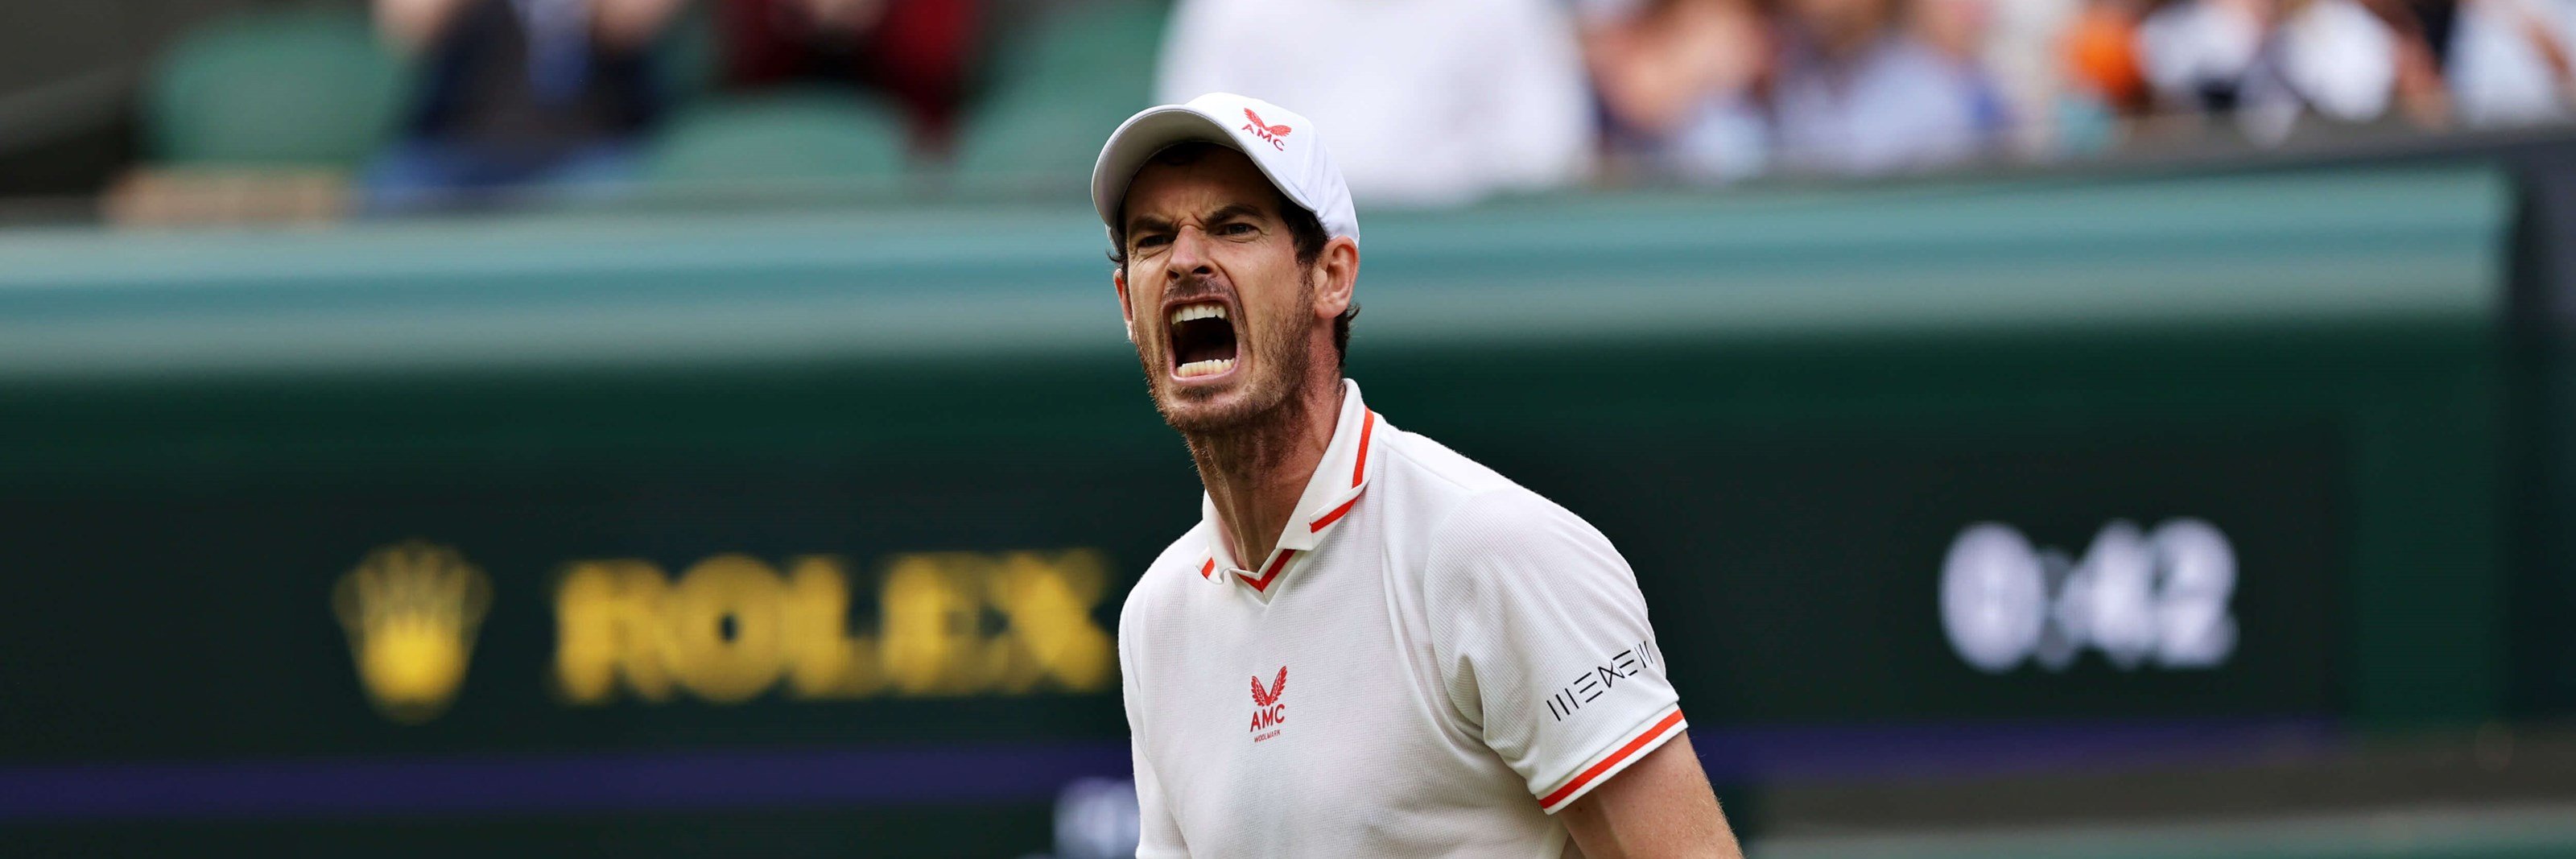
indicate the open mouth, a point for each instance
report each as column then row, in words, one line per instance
column 1202, row 340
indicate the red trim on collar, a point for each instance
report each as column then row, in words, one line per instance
column 1359, row 473
column 1277, row 564
column 1361, row 469
column 1329, row 518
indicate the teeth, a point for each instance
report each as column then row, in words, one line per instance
column 1209, row 367
column 1187, row 312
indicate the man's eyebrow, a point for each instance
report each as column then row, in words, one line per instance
column 1147, row 223
column 1152, row 223
column 1236, row 210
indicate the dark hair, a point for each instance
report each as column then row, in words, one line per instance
column 1305, row 232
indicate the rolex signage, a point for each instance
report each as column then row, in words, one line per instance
column 733, row 627
column 411, row 610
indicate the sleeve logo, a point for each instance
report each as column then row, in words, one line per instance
column 1600, row 679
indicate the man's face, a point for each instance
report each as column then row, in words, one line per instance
column 1223, row 314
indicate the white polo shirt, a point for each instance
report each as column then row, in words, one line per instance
column 1438, row 659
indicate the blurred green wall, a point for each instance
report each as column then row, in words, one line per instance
column 1784, row 407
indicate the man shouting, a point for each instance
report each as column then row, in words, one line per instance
column 1440, row 662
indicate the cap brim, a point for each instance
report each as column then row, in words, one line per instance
column 1152, row 131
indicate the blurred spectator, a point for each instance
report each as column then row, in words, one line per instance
column 1859, row 92
column 2339, row 58
column 2100, row 83
column 520, row 94
column 2434, row 20
column 1429, row 101
column 1677, row 81
column 2422, row 28
column 2510, row 61
column 2270, row 61
column 2023, row 55
column 2204, row 55
column 2101, row 55
column 921, row 52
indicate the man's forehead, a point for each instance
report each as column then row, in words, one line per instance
column 1216, row 179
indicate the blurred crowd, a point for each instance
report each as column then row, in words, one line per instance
column 1870, row 86
column 1550, row 92
column 562, row 94
column 1431, row 102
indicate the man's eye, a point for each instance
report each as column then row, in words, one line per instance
column 1234, row 229
column 1150, row 241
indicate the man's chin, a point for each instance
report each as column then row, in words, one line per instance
column 1202, row 410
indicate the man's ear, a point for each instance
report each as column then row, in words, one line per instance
column 1126, row 310
column 1337, row 272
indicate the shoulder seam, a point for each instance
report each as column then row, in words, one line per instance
column 1426, row 468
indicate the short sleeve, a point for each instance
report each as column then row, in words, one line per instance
column 1544, row 646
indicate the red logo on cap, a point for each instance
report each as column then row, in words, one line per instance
column 1265, row 130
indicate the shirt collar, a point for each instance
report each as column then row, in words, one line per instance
column 1331, row 491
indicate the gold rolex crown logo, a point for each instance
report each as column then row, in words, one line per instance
column 411, row 610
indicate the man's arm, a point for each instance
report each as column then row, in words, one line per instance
column 1660, row 806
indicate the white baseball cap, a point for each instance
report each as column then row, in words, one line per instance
column 1280, row 141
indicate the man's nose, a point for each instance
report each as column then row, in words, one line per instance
column 1189, row 254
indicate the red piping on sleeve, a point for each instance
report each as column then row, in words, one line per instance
column 1549, row 801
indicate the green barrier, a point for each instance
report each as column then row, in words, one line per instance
column 589, row 485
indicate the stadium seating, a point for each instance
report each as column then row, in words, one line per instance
column 1070, row 79
column 294, row 88
column 820, row 134
column 314, row 89
column 688, row 57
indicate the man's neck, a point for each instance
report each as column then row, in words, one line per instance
column 1256, row 476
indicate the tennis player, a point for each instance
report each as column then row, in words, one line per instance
column 1440, row 662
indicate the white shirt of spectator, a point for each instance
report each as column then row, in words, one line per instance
column 2341, row 58
column 2186, row 46
column 1430, row 102
column 1438, row 660
column 2499, row 71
